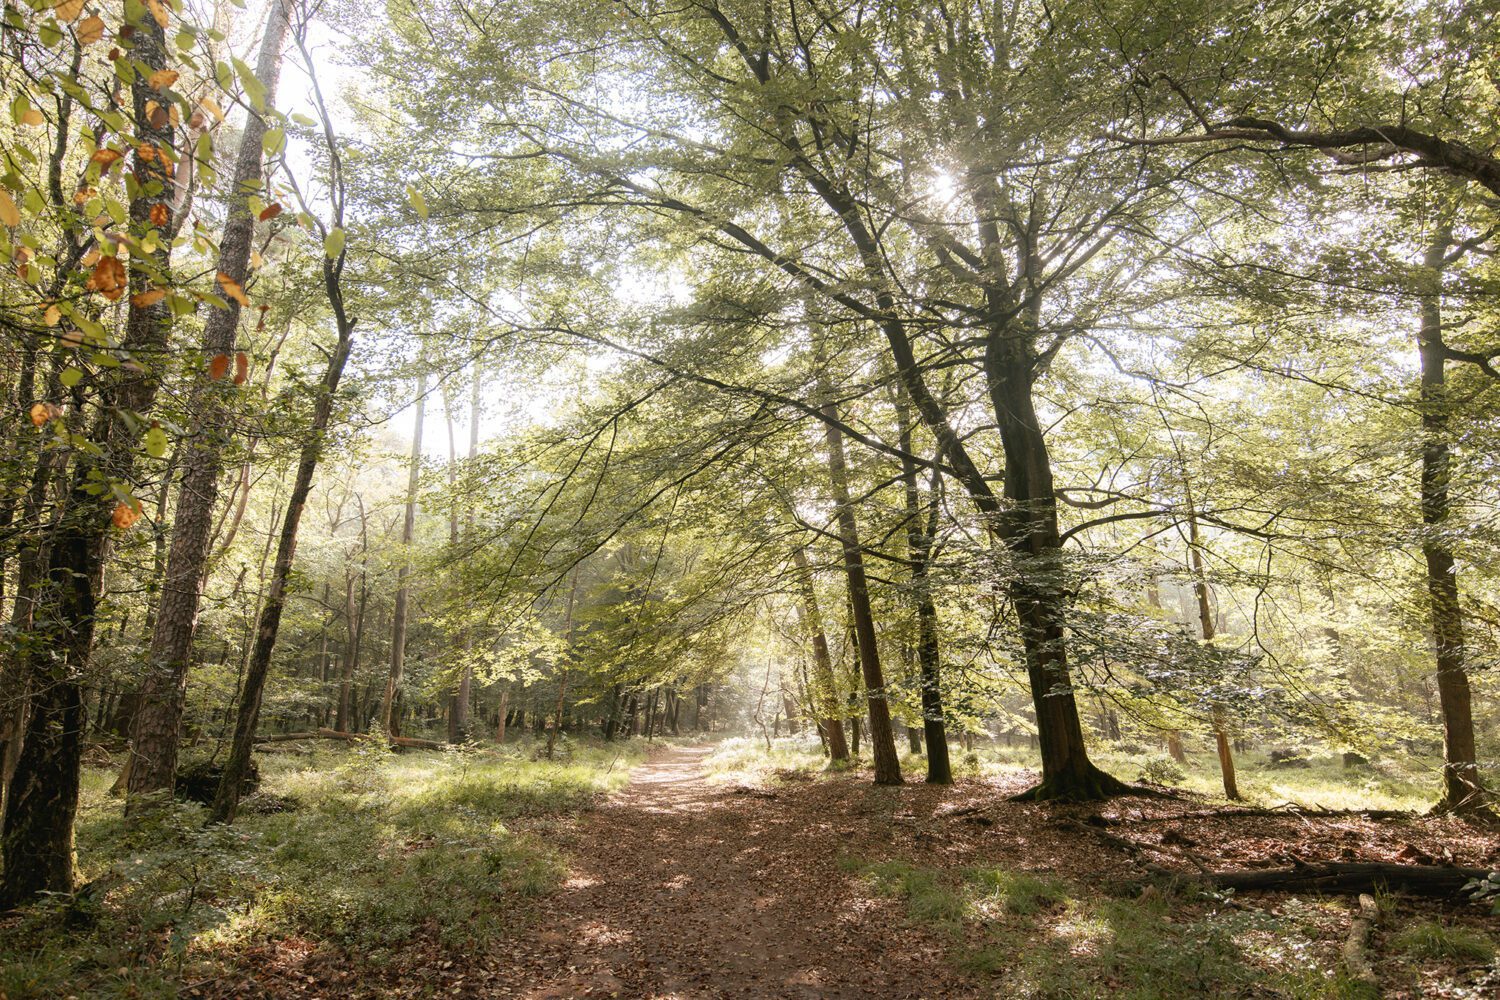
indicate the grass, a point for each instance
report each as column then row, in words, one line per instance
column 381, row 848
column 745, row 760
column 1039, row 936
column 1325, row 783
column 1430, row 940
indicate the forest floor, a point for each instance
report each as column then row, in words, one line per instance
column 726, row 871
column 810, row 885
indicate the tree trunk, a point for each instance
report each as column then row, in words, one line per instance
column 36, row 834
column 159, row 719
column 1463, row 790
column 226, row 802
column 1037, row 587
column 403, row 573
column 882, row 739
column 920, row 533
column 501, row 714
column 1206, row 624
column 824, row 693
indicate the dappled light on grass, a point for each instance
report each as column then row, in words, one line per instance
column 379, row 849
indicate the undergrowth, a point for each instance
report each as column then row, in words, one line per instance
column 377, row 848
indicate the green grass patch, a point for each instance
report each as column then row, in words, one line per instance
column 745, row 760
column 1430, row 940
column 379, row 848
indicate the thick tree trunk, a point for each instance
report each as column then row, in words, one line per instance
column 1463, row 790
column 824, row 693
column 159, row 719
column 882, row 738
column 36, row 833
column 1037, row 587
column 403, row 573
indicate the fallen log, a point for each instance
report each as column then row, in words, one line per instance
column 1240, row 812
column 1349, row 878
column 334, row 734
column 1357, row 959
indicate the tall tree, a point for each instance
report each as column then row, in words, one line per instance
column 159, row 717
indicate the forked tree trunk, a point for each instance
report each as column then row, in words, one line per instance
column 824, row 691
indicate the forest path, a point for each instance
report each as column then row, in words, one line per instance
column 682, row 889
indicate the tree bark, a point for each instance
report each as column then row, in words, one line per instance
column 882, row 738
column 824, row 693
column 403, row 573
column 920, row 534
column 1463, row 791
column 1037, row 588
column 159, row 719
column 1206, row 625
column 226, row 802
column 41, row 804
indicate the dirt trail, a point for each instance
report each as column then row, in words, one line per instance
column 680, row 889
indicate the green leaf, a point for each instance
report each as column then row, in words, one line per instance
column 417, row 201
column 156, row 442
column 274, row 141
column 70, row 377
column 254, row 89
column 333, row 244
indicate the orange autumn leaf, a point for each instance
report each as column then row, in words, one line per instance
column 159, row 214
column 145, row 152
column 270, row 211
column 68, row 10
column 218, row 367
column 32, row 117
column 106, row 158
column 91, row 29
column 91, row 258
column 124, row 516
column 158, row 12
column 163, row 78
column 241, row 368
column 108, row 278
column 40, row 414
column 148, row 298
column 233, row 289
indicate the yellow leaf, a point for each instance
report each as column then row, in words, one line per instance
column 68, row 10
column 9, row 214
column 163, row 78
column 32, row 117
column 211, row 106
column 91, row 29
column 232, row 289
column 40, row 414
column 256, row 260
column 157, row 11
column 52, row 316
